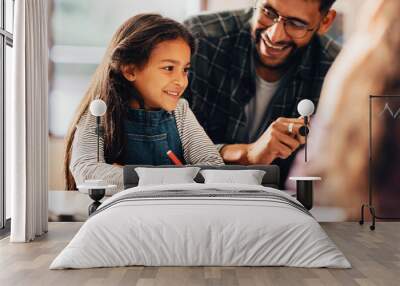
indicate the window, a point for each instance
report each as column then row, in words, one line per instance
column 6, row 44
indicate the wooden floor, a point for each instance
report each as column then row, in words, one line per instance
column 374, row 255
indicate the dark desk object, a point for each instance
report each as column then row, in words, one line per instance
column 96, row 192
column 96, row 195
column 96, row 189
column 306, row 109
column 304, row 190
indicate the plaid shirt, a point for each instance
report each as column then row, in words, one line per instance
column 222, row 78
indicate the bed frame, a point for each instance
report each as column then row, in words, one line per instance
column 270, row 179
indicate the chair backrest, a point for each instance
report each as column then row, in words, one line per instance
column 270, row 179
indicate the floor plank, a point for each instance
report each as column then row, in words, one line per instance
column 374, row 255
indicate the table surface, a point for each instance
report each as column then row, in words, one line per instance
column 305, row 178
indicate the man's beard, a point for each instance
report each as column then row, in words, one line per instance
column 294, row 55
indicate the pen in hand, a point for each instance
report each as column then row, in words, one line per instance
column 174, row 158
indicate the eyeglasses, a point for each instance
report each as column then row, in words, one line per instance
column 293, row 28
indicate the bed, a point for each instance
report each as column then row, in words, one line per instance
column 198, row 224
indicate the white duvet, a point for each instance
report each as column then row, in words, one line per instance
column 207, row 230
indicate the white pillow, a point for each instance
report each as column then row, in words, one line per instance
column 248, row 177
column 165, row 176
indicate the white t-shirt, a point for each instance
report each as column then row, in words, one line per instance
column 257, row 106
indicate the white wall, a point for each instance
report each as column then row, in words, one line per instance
column 351, row 9
column 218, row 5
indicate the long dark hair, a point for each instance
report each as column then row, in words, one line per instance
column 132, row 44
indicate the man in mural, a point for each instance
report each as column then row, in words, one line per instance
column 251, row 69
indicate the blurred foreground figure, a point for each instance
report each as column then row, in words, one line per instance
column 369, row 64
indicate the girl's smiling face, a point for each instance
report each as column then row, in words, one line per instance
column 164, row 78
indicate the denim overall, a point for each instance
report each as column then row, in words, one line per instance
column 149, row 135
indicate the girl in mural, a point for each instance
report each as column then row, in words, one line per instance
column 141, row 79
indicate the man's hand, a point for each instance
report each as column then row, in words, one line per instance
column 275, row 142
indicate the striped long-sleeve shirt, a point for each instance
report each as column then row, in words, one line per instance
column 197, row 148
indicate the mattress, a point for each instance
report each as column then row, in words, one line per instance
column 201, row 225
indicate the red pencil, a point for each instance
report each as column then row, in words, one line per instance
column 173, row 158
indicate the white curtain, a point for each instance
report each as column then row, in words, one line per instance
column 27, row 118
